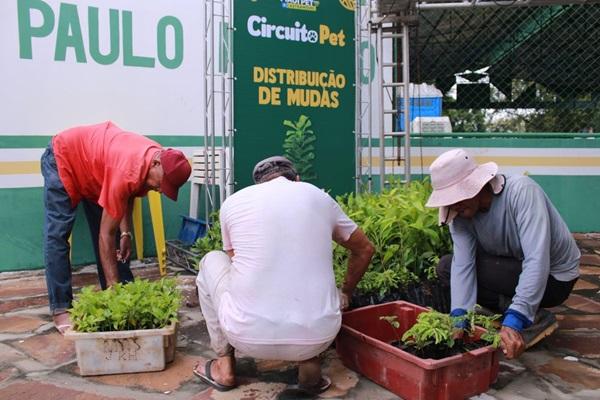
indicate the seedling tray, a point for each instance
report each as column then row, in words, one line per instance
column 102, row 353
column 363, row 345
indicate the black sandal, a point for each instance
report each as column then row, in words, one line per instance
column 299, row 391
column 207, row 378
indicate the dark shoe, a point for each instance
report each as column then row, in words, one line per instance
column 323, row 385
column 305, row 392
column 207, row 378
column 544, row 325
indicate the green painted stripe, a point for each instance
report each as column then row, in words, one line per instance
column 521, row 135
column 24, row 142
column 186, row 141
column 534, row 140
column 36, row 142
column 451, row 140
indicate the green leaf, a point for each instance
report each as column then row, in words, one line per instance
column 298, row 146
column 137, row 305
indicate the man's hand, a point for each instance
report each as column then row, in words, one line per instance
column 361, row 252
column 344, row 300
column 458, row 333
column 512, row 342
column 124, row 251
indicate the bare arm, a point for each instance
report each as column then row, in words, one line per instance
column 126, row 222
column 107, row 247
column 361, row 252
column 125, row 226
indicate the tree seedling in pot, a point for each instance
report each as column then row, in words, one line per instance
column 434, row 335
column 136, row 305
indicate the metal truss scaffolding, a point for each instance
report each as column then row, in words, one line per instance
column 383, row 28
column 212, row 164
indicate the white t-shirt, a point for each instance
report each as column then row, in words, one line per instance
column 282, row 288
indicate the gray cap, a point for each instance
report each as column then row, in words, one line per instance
column 267, row 168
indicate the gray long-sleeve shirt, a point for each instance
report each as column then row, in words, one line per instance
column 521, row 223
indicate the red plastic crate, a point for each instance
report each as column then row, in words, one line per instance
column 363, row 345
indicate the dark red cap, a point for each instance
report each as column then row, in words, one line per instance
column 176, row 170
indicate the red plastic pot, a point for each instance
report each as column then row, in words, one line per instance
column 363, row 346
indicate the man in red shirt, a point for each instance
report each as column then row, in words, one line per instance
column 104, row 168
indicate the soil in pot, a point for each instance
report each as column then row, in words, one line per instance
column 437, row 352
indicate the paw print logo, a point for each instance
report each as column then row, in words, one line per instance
column 348, row 4
column 312, row 36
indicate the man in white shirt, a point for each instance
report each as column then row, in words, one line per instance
column 272, row 293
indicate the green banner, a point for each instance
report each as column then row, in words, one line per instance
column 294, row 88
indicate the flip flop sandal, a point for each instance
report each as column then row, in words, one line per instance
column 62, row 329
column 303, row 391
column 64, row 325
column 207, row 378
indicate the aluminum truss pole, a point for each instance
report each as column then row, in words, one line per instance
column 225, row 92
column 358, row 98
column 369, row 103
column 229, row 152
column 208, row 99
column 406, row 91
column 215, row 161
column 363, row 123
column 380, row 114
column 210, row 145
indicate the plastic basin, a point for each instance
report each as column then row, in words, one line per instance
column 101, row 353
column 363, row 346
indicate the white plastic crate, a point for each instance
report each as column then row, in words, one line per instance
column 102, row 353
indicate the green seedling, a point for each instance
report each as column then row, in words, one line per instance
column 432, row 327
column 137, row 305
column 393, row 321
column 209, row 242
column 406, row 236
column 435, row 328
column 489, row 323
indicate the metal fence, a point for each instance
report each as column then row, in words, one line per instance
column 511, row 69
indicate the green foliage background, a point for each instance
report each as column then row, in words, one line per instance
column 211, row 241
column 408, row 241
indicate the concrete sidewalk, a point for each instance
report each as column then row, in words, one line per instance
column 37, row 363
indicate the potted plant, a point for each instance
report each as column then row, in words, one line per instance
column 387, row 343
column 435, row 336
column 211, row 241
column 126, row 328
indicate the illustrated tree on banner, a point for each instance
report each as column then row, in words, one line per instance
column 299, row 147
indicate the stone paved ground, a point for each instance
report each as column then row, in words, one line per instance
column 36, row 363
